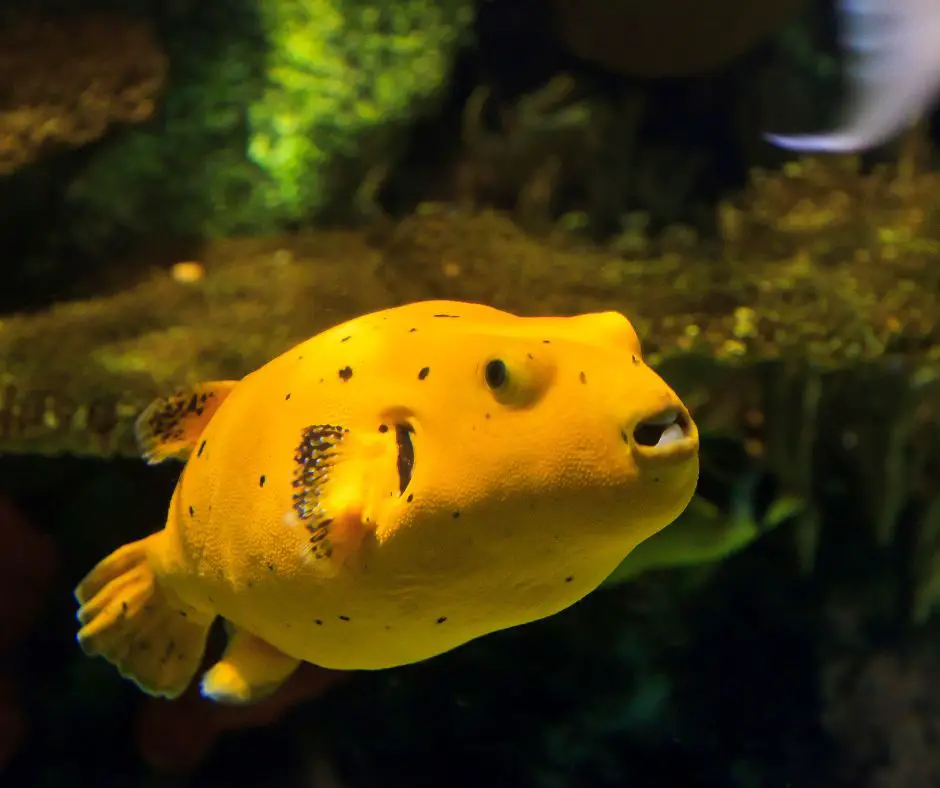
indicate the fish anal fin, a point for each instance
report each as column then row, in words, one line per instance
column 128, row 619
column 249, row 670
column 170, row 426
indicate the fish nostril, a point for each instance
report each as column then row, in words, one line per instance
column 662, row 429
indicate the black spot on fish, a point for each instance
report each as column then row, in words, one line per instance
column 192, row 511
column 449, row 316
column 344, row 618
column 442, row 619
column 455, row 515
column 318, row 622
column 345, row 374
column 202, row 446
column 345, row 339
column 410, row 498
column 569, row 578
column 182, row 613
column 583, row 377
column 412, row 330
column 383, row 428
column 287, row 397
column 270, row 566
column 423, row 373
column 635, row 360
column 487, row 415
column 530, row 356
column 261, row 480
column 546, row 341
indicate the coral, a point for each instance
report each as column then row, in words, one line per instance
column 255, row 296
column 278, row 110
column 343, row 80
column 817, row 296
column 64, row 83
column 548, row 143
column 186, row 173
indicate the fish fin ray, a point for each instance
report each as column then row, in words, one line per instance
column 169, row 427
column 131, row 621
column 250, row 669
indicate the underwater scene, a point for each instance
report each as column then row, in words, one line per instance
column 470, row 393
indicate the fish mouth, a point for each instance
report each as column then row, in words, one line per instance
column 406, row 455
column 668, row 434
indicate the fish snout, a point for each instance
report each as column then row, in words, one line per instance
column 665, row 436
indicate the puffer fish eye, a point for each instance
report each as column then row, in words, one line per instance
column 496, row 374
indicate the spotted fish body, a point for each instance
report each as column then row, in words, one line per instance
column 893, row 53
column 390, row 489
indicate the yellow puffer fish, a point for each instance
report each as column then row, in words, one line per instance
column 388, row 490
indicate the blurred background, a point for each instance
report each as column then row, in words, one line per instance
column 187, row 189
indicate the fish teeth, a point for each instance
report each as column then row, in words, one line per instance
column 671, row 434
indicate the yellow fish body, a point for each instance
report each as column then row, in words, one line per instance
column 390, row 489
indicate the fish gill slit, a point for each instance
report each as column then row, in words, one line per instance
column 406, row 455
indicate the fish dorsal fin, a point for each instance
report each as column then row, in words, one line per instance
column 170, row 426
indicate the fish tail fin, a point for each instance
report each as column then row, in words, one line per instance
column 131, row 621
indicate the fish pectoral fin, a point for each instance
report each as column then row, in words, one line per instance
column 128, row 619
column 250, row 669
column 169, row 427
